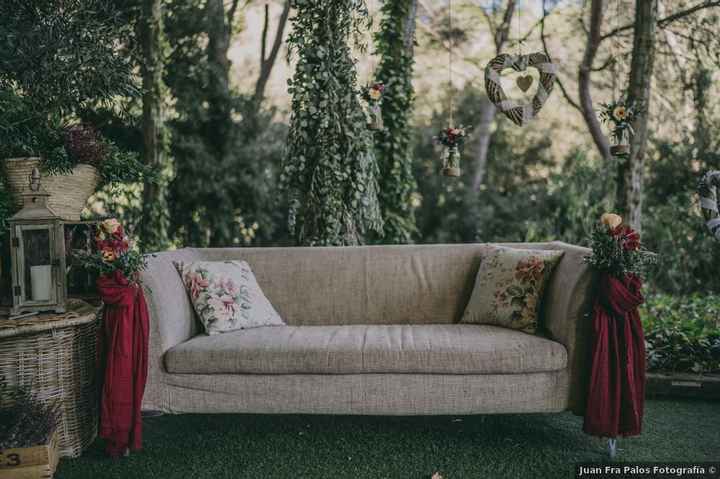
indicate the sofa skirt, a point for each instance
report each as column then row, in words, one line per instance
column 362, row 394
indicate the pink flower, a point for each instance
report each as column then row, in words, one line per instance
column 197, row 283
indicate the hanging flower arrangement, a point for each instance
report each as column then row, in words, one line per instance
column 619, row 115
column 451, row 138
column 373, row 96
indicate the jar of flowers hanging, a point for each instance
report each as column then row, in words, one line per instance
column 451, row 139
column 619, row 115
column 373, row 96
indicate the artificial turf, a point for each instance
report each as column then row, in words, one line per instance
column 241, row 446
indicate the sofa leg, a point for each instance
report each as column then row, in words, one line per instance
column 612, row 448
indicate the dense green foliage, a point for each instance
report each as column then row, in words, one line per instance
column 682, row 333
column 63, row 54
column 394, row 43
column 57, row 58
column 226, row 151
column 330, row 171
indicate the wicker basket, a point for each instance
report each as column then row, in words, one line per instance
column 53, row 357
column 68, row 193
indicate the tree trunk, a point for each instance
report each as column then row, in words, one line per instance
column 153, row 225
column 586, row 103
column 218, row 134
column 482, row 132
column 267, row 63
column 487, row 113
column 409, row 30
column 218, row 45
column 630, row 172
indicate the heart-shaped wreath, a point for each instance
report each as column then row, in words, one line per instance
column 708, row 190
column 520, row 114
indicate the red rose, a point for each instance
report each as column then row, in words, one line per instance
column 618, row 230
column 631, row 240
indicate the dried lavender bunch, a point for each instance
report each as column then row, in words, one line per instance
column 84, row 144
column 25, row 420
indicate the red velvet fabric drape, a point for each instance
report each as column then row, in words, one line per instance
column 125, row 346
column 616, row 396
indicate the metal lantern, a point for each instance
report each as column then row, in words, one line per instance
column 38, row 253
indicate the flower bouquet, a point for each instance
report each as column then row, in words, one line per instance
column 113, row 252
column 451, row 138
column 617, row 250
column 373, row 96
column 619, row 115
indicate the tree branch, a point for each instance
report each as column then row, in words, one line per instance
column 263, row 36
column 543, row 40
column 501, row 35
column 586, row 103
column 663, row 22
column 266, row 64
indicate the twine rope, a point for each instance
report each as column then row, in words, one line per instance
column 450, row 64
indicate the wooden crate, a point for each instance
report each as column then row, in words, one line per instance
column 36, row 462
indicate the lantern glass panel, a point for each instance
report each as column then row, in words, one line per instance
column 36, row 256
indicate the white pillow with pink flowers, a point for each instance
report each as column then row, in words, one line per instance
column 226, row 296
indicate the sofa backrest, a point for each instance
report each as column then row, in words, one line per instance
column 339, row 285
column 362, row 285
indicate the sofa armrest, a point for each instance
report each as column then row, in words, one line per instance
column 172, row 319
column 567, row 304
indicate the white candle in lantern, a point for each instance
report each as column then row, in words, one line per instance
column 41, row 282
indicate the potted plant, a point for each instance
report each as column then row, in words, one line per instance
column 28, row 435
column 73, row 156
column 66, row 70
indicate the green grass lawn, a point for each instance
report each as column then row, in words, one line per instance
column 499, row 446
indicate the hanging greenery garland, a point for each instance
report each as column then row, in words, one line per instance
column 330, row 171
column 394, row 43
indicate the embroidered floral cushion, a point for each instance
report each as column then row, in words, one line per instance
column 509, row 287
column 226, row 296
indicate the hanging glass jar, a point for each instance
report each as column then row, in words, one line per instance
column 621, row 137
column 451, row 161
column 376, row 120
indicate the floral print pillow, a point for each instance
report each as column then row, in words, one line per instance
column 509, row 287
column 226, row 296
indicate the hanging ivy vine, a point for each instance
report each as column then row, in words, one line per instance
column 394, row 42
column 330, row 170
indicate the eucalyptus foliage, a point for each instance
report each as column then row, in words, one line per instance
column 330, row 170
column 394, row 42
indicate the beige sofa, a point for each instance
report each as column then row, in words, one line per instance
column 371, row 330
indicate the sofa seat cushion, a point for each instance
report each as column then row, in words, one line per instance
column 353, row 349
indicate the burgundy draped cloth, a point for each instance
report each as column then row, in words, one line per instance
column 616, row 396
column 124, row 342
